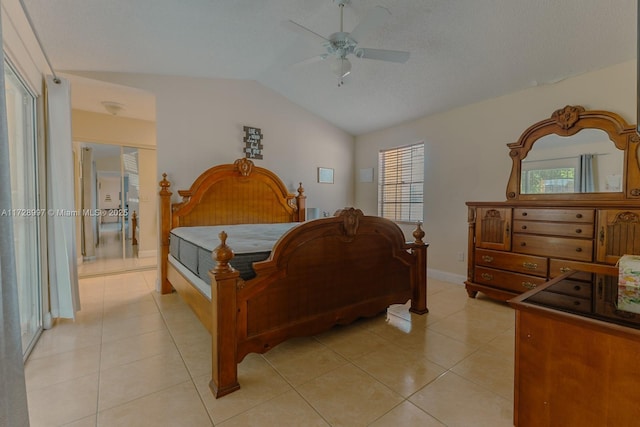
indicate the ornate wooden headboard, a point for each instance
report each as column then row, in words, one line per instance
column 238, row 193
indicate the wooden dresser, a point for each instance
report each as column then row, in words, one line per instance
column 576, row 356
column 532, row 237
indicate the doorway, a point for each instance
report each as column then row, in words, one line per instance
column 115, row 225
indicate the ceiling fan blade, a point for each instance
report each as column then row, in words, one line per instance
column 311, row 60
column 382, row 54
column 374, row 18
column 301, row 29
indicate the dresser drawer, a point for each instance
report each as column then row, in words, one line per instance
column 561, row 266
column 514, row 262
column 561, row 215
column 505, row 280
column 574, row 288
column 553, row 228
column 562, row 301
column 557, row 247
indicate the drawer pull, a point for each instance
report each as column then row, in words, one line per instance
column 486, row 276
column 579, row 215
column 578, row 249
column 523, row 244
column 576, row 303
column 564, row 269
column 578, row 230
column 524, row 214
column 528, row 285
column 487, row 258
column 577, row 287
column 524, row 227
column 530, row 265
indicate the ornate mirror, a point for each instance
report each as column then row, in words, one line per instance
column 576, row 154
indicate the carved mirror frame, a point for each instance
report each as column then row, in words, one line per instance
column 568, row 121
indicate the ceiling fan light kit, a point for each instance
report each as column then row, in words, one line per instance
column 341, row 44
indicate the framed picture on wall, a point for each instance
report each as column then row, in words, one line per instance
column 325, row 175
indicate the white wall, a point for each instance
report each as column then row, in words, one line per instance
column 199, row 125
column 466, row 154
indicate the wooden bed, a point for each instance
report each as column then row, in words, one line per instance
column 321, row 273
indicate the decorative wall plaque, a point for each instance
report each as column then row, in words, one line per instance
column 252, row 139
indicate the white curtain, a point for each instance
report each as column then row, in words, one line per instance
column 13, row 394
column 586, row 173
column 63, row 276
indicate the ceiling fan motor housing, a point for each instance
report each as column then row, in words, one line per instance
column 340, row 44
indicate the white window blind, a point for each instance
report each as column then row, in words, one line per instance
column 401, row 180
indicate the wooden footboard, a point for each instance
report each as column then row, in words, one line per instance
column 322, row 273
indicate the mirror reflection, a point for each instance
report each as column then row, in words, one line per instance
column 587, row 162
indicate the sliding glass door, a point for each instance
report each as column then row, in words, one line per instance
column 26, row 211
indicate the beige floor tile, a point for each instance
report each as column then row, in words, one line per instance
column 61, row 367
column 179, row 313
column 492, row 371
column 131, row 349
column 84, row 422
column 259, row 383
column 436, row 347
column 117, row 310
column 348, row 396
column 504, row 344
column 123, row 383
column 64, row 402
column 288, row 409
column 176, row 406
column 417, row 320
column 156, row 361
column 455, row 401
column 197, row 356
column 435, row 285
column 402, row 371
column 406, row 414
column 474, row 326
column 64, row 339
column 189, row 331
column 117, row 328
column 298, row 369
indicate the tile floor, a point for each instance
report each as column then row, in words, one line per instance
column 108, row 255
column 137, row 358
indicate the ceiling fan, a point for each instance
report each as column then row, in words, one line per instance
column 342, row 44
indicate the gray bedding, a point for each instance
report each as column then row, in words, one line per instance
column 192, row 246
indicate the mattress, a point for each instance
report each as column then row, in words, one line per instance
column 192, row 246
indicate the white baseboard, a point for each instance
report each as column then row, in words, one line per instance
column 148, row 254
column 446, row 276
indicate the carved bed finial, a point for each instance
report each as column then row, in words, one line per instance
column 165, row 184
column 350, row 220
column 222, row 254
column 568, row 116
column 244, row 166
column 419, row 233
column 300, row 190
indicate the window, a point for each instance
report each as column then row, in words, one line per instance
column 401, row 181
column 550, row 176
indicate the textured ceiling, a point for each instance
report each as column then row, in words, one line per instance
column 462, row 51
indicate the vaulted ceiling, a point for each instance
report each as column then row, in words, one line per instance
column 462, row 51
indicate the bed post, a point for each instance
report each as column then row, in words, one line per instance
column 419, row 250
column 165, row 227
column 224, row 340
column 301, row 201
